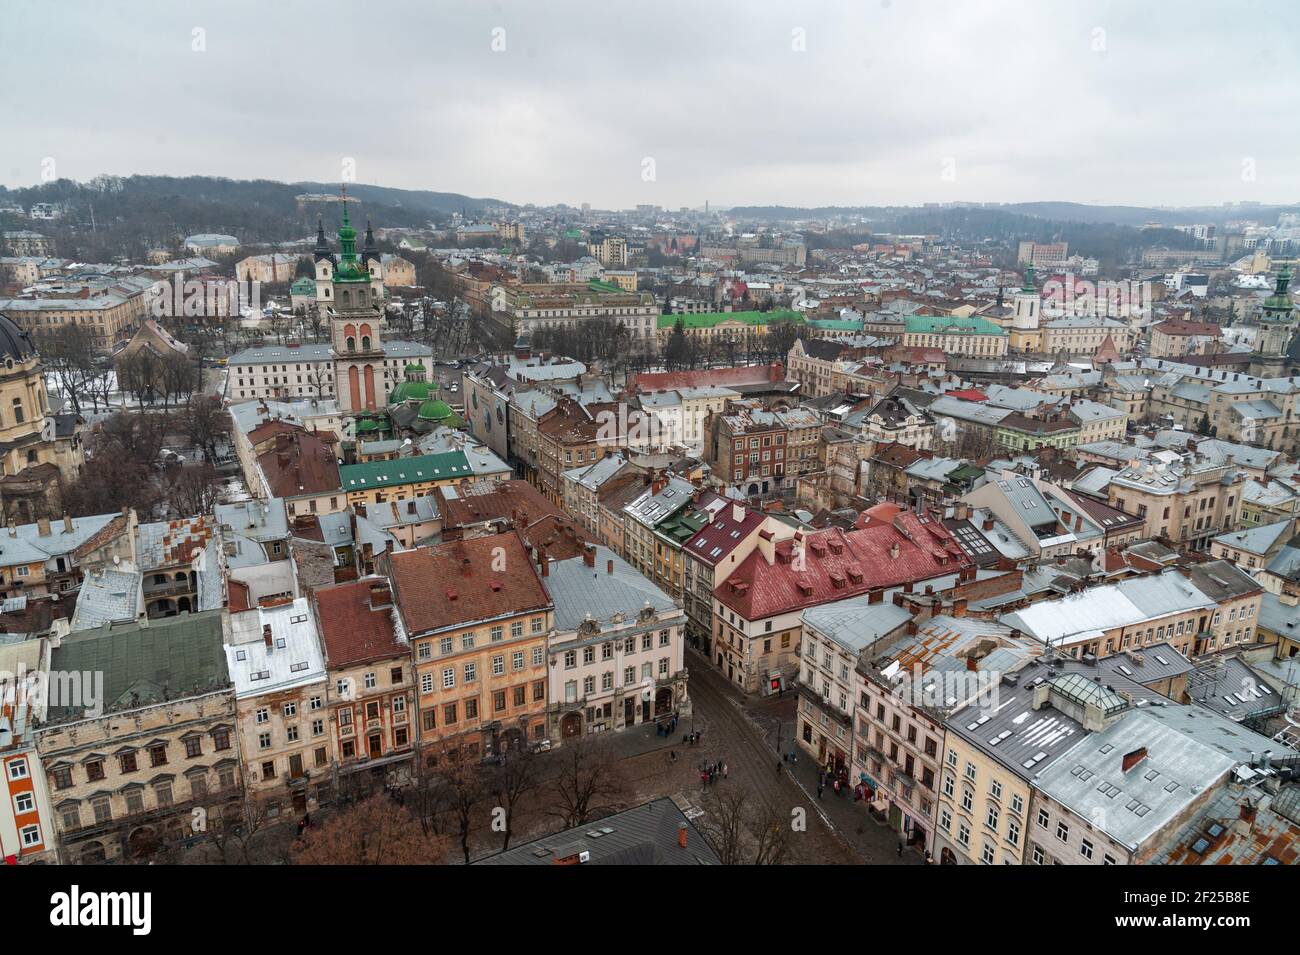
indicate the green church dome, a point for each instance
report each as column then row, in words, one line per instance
column 435, row 410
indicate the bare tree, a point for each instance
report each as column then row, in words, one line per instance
column 373, row 831
column 510, row 784
column 743, row 831
column 590, row 781
column 206, row 423
column 466, row 793
column 193, row 490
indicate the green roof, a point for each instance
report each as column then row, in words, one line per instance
column 836, row 324
column 947, row 324
column 408, row 390
column 422, row 467
column 710, row 319
column 167, row 659
column 682, row 526
column 302, row 285
column 598, row 286
column 435, row 410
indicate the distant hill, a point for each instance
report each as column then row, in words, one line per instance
column 110, row 217
column 1114, row 215
column 1060, row 212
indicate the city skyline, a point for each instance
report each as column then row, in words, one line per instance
column 888, row 104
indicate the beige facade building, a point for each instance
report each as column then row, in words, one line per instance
column 128, row 777
column 1188, row 501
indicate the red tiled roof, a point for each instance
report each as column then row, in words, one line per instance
column 302, row 464
column 897, row 455
column 559, row 535
column 968, row 394
column 725, row 534
column 352, row 631
column 1175, row 326
column 839, row 564
column 743, row 375
column 512, row 500
column 466, row 580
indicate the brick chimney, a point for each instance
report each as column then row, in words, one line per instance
column 959, row 607
column 266, row 636
column 682, row 832
column 543, row 563
column 609, row 567
column 589, row 556
column 1131, row 759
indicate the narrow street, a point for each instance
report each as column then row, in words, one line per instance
column 745, row 733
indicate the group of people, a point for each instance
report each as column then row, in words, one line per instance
column 837, row 779
column 666, row 727
column 710, row 772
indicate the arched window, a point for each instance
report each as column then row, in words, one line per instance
column 352, row 343
column 365, row 343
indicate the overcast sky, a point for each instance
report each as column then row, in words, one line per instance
column 667, row 102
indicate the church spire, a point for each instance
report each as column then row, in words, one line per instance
column 1278, row 306
column 349, row 268
column 323, row 250
column 1029, row 279
column 369, row 251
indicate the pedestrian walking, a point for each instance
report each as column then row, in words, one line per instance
column 900, row 848
column 724, row 770
column 778, row 767
column 820, row 789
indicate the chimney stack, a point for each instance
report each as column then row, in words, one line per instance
column 609, row 567
column 381, row 595
column 1131, row 759
column 266, row 636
